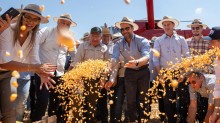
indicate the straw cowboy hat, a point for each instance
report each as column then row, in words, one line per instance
column 35, row 10
column 197, row 22
column 65, row 17
column 85, row 35
column 116, row 35
column 167, row 18
column 106, row 31
column 128, row 21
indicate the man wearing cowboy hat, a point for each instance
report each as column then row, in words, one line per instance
column 197, row 45
column 135, row 50
column 85, row 37
column 171, row 47
column 52, row 50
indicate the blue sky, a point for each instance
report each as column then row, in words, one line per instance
column 90, row 13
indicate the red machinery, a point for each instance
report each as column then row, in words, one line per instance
column 148, row 28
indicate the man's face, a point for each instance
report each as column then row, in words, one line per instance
column 106, row 38
column 95, row 39
column 63, row 24
column 214, row 44
column 126, row 30
column 197, row 30
column 168, row 27
column 195, row 81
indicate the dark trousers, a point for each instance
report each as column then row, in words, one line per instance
column 102, row 110
column 202, row 106
column 38, row 99
column 136, row 86
column 54, row 107
column 119, row 96
column 91, row 94
column 179, row 108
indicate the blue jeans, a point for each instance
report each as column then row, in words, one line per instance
column 136, row 87
column 21, row 102
column 7, row 107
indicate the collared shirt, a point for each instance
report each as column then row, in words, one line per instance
column 139, row 47
column 24, row 54
column 87, row 51
column 216, row 92
column 50, row 50
column 171, row 49
column 197, row 47
column 206, row 90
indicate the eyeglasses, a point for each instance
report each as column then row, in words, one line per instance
column 195, row 28
column 28, row 18
column 126, row 28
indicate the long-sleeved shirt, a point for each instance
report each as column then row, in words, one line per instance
column 197, row 47
column 21, row 53
column 171, row 49
column 216, row 92
column 50, row 50
column 139, row 47
column 87, row 51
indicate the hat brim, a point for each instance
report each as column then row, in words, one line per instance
column 57, row 18
column 42, row 18
column 176, row 22
column 84, row 38
column 203, row 25
column 135, row 26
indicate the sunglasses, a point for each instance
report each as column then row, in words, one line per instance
column 126, row 28
column 192, row 82
column 195, row 28
column 29, row 18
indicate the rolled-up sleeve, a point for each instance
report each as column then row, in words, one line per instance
column 145, row 48
column 156, row 59
column 116, row 52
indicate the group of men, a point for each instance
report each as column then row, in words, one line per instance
column 129, row 55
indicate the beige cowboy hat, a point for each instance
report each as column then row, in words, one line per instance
column 128, row 21
column 167, row 18
column 197, row 22
column 35, row 10
column 85, row 35
column 106, row 31
column 65, row 17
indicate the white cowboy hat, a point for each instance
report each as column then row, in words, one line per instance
column 65, row 17
column 197, row 22
column 167, row 18
column 35, row 10
column 128, row 21
column 116, row 35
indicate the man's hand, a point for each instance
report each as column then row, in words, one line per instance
column 215, row 115
column 47, row 81
column 108, row 85
column 131, row 63
column 4, row 24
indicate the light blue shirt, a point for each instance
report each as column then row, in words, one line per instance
column 171, row 49
column 139, row 47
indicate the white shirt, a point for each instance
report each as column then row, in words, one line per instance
column 29, row 53
column 216, row 92
column 50, row 50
